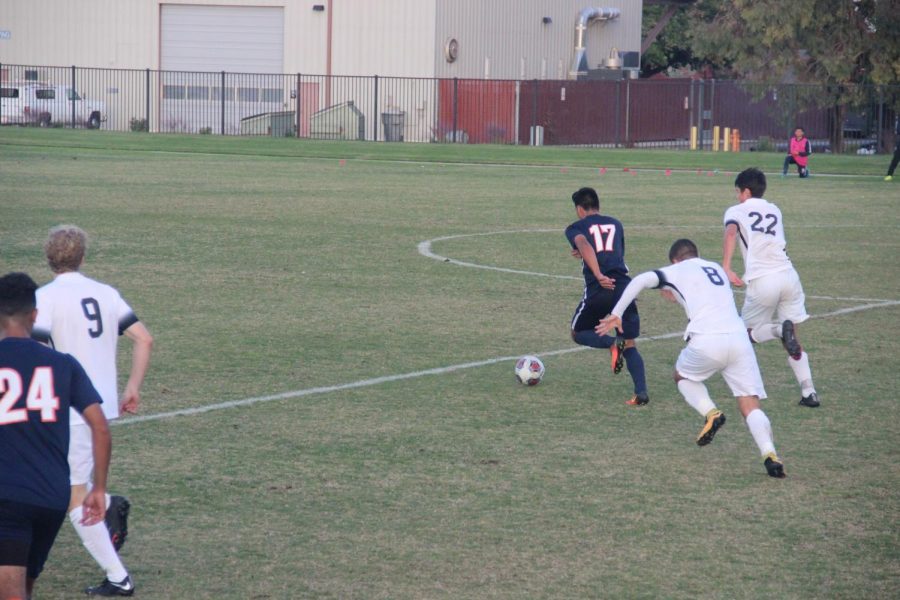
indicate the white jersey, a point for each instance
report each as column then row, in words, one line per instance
column 760, row 236
column 701, row 287
column 84, row 318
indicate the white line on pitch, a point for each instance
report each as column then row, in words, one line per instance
column 416, row 374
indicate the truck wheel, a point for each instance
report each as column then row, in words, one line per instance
column 93, row 121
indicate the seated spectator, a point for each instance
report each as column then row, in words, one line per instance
column 799, row 150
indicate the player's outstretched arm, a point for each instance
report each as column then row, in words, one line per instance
column 729, row 243
column 614, row 320
column 94, row 507
column 140, row 362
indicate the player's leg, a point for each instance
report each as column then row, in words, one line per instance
column 745, row 381
column 587, row 315
column 95, row 538
column 15, row 542
column 760, row 305
column 12, row 581
column 694, row 366
column 27, row 533
column 792, row 311
column 631, row 329
column 787, row 163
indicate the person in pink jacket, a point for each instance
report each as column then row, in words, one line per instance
column 799, row 150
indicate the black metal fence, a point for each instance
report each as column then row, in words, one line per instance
column 619, row 113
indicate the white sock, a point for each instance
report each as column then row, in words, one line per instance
column 696, row 394
column 803, row 373
column 96, row 539
column 766, row 333
column 761, row 430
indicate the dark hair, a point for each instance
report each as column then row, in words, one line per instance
column 800, row 128
column 683, row 249
column 16, row 294
column 753, row 180
column 586, row 198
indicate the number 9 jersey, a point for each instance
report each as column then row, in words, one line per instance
column 761, row 235
column 83, row 317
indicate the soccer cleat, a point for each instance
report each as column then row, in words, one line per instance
column 889, row 178
column 638, row 400
column 789, row 340
column 617, row 355
column 111, row 588
column 774, row 467
column 714, row 421
column 117, row 520
column 811, row 401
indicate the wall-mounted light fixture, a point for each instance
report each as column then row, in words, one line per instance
column 318, row 7
column 547, row 20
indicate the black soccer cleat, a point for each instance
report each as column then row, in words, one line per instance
column 617, row 352
column 774, row 467
column 638, row 400
column 117, row 520
column 811, row 401
column 111, row 588
column 789, row 340
column 714, row 421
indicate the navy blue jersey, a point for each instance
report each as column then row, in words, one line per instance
column 37, row 387
column 607, row 236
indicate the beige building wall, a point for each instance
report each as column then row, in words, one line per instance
column 508, row 39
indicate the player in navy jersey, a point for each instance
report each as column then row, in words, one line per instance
column 599, row 241
column 37, row 387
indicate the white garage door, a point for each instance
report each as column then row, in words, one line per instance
column 238, row 39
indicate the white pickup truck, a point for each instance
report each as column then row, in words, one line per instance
column 44, row 104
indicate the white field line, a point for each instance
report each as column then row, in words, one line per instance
column 425, row 250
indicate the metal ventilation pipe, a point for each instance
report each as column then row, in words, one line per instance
column 579, row 62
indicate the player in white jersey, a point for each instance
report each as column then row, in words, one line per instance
column 773, row 285
column 716, row 343
column 83, row 317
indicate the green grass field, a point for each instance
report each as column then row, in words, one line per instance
column 364, row 436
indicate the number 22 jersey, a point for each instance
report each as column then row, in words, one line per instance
column 760, row 236
column 84, row 318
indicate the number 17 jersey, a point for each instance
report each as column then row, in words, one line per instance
column 760, row 236
column 84, row 318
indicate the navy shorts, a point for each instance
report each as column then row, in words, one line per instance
column 596, row 306
column 27, row 533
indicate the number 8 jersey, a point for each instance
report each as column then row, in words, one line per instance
column 83, row 317
column 761, row 235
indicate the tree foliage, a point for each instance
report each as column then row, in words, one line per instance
column 810, row 41
column 840, row 45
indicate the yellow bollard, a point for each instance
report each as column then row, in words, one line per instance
column 715, row 139
column 694, row 137
column 726, row 140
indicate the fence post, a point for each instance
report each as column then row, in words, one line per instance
column 1, row 81
column 618, row 110
column 147, row 103
column 375, row 113
column 299, row 108
column 534, row 107
column 455, row 107
column 879, row 136
column 700, row 120
column 223, row 104
column 712, row 103
column 627, row 112
column 72, row 98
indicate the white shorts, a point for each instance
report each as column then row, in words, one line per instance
column 729, row 353
column 81, row 454
column 775, row 294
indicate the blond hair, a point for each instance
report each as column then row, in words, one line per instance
column 65, row 248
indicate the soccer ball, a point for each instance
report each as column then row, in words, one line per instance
column 529, row 370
